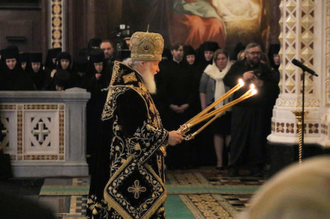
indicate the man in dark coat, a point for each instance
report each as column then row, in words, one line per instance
column 109, row 50
column 177, row 92
column 248, row 143
column 129, row 179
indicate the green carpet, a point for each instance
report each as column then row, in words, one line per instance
column 191, row 189
column 171, row 189
column 64, row 190
column 202, row 194
column 175, row 208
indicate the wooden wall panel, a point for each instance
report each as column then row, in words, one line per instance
column 15, row 33
column 22, row 23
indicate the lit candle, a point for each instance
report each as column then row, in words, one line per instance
column 222, row 98
column 252, row 91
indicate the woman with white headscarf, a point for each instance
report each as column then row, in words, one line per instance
column 212, row 88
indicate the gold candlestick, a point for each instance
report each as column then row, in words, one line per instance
column 216, row 113
column 191, row 136
column 222, row 98
column 299, row 115
column 247, row 94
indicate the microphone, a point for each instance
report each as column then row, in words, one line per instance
column 303, row 67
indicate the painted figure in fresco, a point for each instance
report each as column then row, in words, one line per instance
column 198, row 21
column 229, row 10
column 192, row 22
column 129, row 176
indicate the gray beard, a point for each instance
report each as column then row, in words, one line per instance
column 149, row 82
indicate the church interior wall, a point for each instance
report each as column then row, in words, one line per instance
column 86, row 19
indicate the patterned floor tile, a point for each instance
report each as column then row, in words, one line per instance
column 207, row 192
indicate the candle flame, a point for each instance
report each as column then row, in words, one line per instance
column 252, row 86
column 241, row 82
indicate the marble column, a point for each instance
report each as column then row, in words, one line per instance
column 304, row 35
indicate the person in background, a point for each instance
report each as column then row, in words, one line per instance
column 212, row 88
column 205, row 57
column 37, row 74
column 248, row 143
column 2, row 61
column 270, row 98
column 196, row 69
column 166, row 58
column 50, row 67
column 237, row 53
column 206, row 53
column 109, row 53
column 62, row 80
column 96, row 84
column 93, row 43
column 50, row 64
column 177, row 92
column 12, row 76
column 189, row 55
column 84, row 52
column 274, row 57
column 80, row 66
column 63, row 61
column 25, row 62
column 275, row 62
column 197, row 150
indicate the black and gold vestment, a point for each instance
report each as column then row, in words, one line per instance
column 129, row 179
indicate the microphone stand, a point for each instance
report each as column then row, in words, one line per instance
column 303, row 109
column 300, row 116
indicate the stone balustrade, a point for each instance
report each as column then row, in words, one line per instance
column 45, row 132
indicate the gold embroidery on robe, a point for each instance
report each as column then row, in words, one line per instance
column 136, row 162
column 129, row 78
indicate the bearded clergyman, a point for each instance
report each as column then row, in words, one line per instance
column 129, row 176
